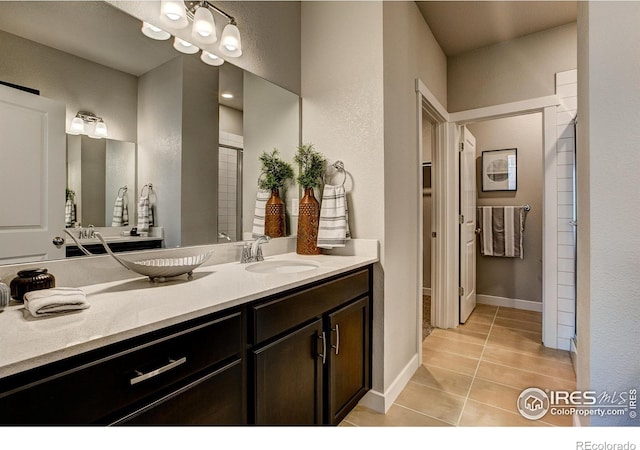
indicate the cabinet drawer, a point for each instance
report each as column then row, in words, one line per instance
column 276, row 316
column 113, row 382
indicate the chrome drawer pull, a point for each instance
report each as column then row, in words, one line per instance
column 324, row 347
column 337, row 346
column 145, row 376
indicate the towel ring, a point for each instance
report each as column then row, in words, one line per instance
column 149, row 189
column 123, row 189
column 339, row 167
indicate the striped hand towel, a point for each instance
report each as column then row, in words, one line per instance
column 333, row 229
column 69, row 213
column 258, row 218
column 502, row 231
column 120, row 213
column 145, row 214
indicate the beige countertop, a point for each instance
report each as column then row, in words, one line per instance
column 127, row 308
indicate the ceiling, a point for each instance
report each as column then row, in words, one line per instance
column 461, row 26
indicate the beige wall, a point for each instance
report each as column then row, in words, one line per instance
column 342, row 104
column 77, row 82
column 512, row 277
column 271, row 120
column 608, row 199
column 361, row 108
column 421, row 58
column 200, row 123
column 160, row 144
column 515, row 70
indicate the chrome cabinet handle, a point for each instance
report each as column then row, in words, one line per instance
column 324, row 347
column 58, row 241
column 145, row 376
column 337, row 346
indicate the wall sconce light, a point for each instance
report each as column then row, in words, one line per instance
column 84, row 117
column 177, row 15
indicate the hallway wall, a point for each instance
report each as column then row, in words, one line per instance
column 514, row 70
column 514, row 278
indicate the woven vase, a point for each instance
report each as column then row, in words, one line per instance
column 308, row 218
column 274, row 221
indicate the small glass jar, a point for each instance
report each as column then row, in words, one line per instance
column 31, row 280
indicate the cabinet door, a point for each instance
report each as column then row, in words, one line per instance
column 349, row 368
column 214, row 399
column 288, row 378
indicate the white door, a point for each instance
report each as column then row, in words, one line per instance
column 468, row 193
column 32, row 176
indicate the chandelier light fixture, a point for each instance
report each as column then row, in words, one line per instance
column 97, row 129
column 176, row 15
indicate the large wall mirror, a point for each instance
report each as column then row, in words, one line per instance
column 168, row 123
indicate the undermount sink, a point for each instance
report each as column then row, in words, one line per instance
column 282, row 266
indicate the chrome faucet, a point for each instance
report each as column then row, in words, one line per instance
column 252, row 251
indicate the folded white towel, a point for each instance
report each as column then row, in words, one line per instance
column 55, row 300
column 258, row 218
column 333, row 229
column 120, row 213
column 145, row 214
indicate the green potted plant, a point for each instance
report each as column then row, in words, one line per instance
column 311, row 165
column 275, row 174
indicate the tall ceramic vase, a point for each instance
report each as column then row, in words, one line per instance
column 274, row 221
column 308, row 219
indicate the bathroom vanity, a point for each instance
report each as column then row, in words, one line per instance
column 229, row 347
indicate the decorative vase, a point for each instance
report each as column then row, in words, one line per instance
column 308, row 219
column 274, row 220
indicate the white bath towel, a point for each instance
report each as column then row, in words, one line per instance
column 55, row 300
column 333, row 229
column 120, row 212
column 145, row 214
column 258, row 216
column 69, row 213
column 502, row 231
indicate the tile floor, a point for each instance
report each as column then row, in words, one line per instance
column 473, row 375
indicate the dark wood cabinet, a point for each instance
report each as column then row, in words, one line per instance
column 312, row 355
column 103, row 386
column 302, row 357
column 129, row 246
column 348, row 358
column 288, row 378
column 213, row 399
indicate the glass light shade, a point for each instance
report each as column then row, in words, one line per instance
column 77, row 126
column 173, row 14
column 184, row 46
column 230, row 44
column 101, row 130
column 154, row 32
column 204, row 27
column 211, row 59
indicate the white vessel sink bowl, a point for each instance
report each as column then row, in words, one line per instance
column 282, row 266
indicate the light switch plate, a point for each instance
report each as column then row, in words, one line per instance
column 294, row 205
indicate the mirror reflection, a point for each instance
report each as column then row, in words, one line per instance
column 99, row 171
column 191, row 130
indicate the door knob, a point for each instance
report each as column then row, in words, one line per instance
column 58, row 241
column 478, row 230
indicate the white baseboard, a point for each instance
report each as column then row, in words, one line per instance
column 574, row 354
column 426, row 291
column 380, row 402
column 527, row 305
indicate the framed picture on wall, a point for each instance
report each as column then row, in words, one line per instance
column 500, row 170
